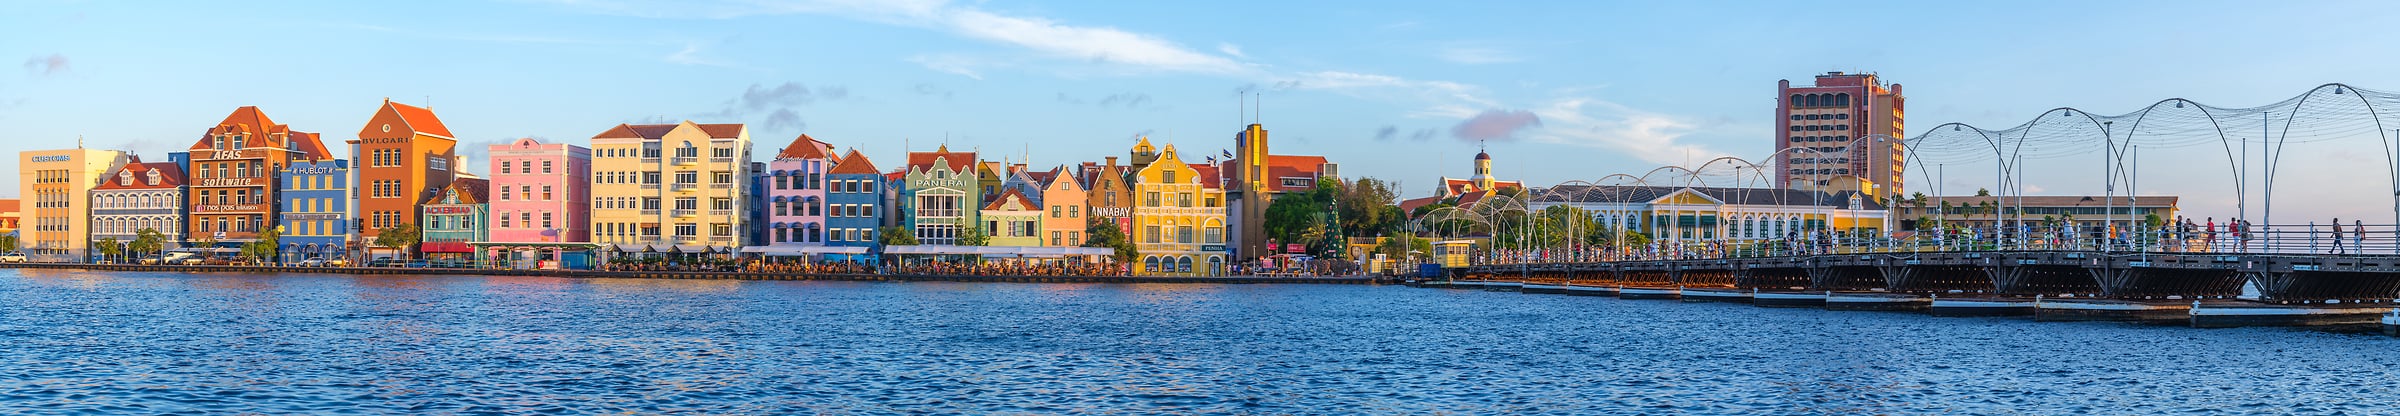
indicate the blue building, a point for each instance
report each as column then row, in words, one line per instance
column 855, row 205
column 314, row 210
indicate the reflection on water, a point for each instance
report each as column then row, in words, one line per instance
column 160, row 342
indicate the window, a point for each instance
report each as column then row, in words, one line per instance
column 721, row 230
column 687, row 203
column 504, row 192
column 504, row 223
column 1169, row 176
column 722, row 204
column 1150, row 234
column 1215, row 235
column 545, row 220
column 783, row 182
column 687, row 229
column 781, row 208
column 721, row 152
column 687, row 177
column 1074, row 211
column 545, row 192
column 1183, row 199
column 1150, row 200
column 504, row 167
column 723, row 177
column 1183, row 234
column 545, row 166
column 1057, row 238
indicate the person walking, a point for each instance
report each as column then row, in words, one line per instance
column 2337, row 235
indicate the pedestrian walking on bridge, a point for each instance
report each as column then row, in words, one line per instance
column 2337, row 235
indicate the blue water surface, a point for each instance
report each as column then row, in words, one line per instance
column 92, row 342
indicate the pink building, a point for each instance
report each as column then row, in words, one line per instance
column 796, row 195
column 541, row 195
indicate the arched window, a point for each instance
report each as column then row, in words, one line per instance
column 1795, row 102
column 1150, row 264
column 1809, row 101
column 1842, row 99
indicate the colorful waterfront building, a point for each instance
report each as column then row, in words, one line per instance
column 1062, row 199
column 315, row 211
column 1012, row 220
column 541, row 205
column 140, row 196
column 10, row 213
column 232, row 183
column 795, row 180
column 57, row 185
column 1179, row 223
column 668, row 188
column 855, row 198
column 1106, row 194
column 939, row 194
column 455, row 219
column 402, row 157
column 1254, row 177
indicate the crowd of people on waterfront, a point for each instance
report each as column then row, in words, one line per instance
column 2183, row 235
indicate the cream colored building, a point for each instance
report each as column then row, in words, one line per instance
column 670, row 187
column 56, row 186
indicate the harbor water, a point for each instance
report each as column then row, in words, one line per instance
column 129, row 342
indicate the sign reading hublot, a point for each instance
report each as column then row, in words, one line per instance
column 313, row 170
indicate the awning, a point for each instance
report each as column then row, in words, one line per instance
column 1005, row 251
column 446, row 247
column 802, row 250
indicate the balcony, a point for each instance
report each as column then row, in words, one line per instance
column 685, row 187
column 686, row 213
column 650, row 186
column 720, row 212
column 686, row 161
column 649, row 212
column 721, row 185
column 647, row 160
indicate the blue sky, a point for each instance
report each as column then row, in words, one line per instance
column 1397, row 90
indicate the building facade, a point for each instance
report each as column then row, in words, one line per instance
column 1254, row 176
column 2087, row 212
column 1179, row 222
column 1702, row 214
column 233, row 182
column 1063, row 205
column 140, row 196
column 1107, row 195
column 854, row 197
column 796, row 194
column 939, row 194
column 56, row 187
column 455, row 218
column 1012, row 220
column 540, row 192
column 315, row 210
column 1825, row 119
column 402, row 157
column 661, row 185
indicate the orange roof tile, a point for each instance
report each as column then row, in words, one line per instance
column 470, row 191
column 1004, row 201
column 419, row 119
column 961, row 161
column 9, row 206
column 853, row 163
column 1207, row 175
column 169, row 176
column 654, row 131
column 806, row 147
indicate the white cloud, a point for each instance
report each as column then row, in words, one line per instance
column 950, row 63
column 1651, row 137
column 1231, row 49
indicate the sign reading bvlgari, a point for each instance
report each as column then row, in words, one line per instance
column 383, row 140
column 229, row 182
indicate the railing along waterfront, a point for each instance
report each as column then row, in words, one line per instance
column 2283, row 239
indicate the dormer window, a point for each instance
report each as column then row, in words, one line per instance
column 125, row 178
column 153, row 177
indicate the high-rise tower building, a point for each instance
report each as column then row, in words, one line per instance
column 1851, row 128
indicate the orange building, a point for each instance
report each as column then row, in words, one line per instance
column 232, row 180
column 402, row 156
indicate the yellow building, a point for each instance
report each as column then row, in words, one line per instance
column 670, row 187
column 1178, row 216
column 56, row 187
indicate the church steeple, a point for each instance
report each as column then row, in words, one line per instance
column 1483, row 169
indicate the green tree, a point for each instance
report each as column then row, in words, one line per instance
column 264, row 249
column 1983, row 192
column 148, row 241
column 1101, row 232
column 109, row 247
column 974, row 236
column 399, row 237
column 8, row 242
column 896, row 236
column 1365, row 207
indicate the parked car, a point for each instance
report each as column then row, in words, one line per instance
column 313, row 262
column 337, row 263
column 387, row 263
column 12, row 257
column 417, row 264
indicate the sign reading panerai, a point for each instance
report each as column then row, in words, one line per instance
column 57, row 158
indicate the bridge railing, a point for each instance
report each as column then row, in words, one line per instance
column 2354, row 239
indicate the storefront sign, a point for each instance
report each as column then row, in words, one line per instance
column 227, row 208
column 450, row 209
column 40, row 159
column 383, row 140
column 1112, row 211
column 937, row 183
column 214, row 182
column 311, row 216
column 313, row 170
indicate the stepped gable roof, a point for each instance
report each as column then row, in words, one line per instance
column 806, row 147
column 959, row 161
column 470, row 191
column 419, row 119
column 169, row 176
column 853, row 163
column 1004, row 201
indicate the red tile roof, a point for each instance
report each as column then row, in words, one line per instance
column 261, row 132
column 169, row 176
column 960, row 161
column 853, row 164
column 1043, row 178
column 806, row 147
column 470, row 191
column 9, row 206
column 1207, row 175
column 654, row 131
column 1469, row 199
column 1003, row 201
column 419, row 119
column 1410, row 206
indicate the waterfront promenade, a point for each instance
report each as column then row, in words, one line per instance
column 707, row 275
